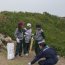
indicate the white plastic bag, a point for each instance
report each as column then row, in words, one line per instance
column 29, row 63
column 10, row 51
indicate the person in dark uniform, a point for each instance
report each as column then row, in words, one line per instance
column 48, row 53
column 39, row 37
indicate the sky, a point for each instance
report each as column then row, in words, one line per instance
column 54, row 7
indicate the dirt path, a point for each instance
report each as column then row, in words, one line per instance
column 22, row 60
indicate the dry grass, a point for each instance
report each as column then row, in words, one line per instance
column 22, row 60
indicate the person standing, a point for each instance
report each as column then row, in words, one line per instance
column 39, row 37
column 28, row 34
column 19, row 38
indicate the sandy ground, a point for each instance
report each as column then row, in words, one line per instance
column 22, row 60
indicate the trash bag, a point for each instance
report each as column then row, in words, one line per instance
column 10, row 51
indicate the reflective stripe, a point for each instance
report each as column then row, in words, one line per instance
column 41, row 41
column 46, row 48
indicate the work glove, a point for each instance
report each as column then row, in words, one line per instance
column 29, row 63
column 18, row 41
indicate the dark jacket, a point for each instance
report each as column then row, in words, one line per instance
column 47, row 53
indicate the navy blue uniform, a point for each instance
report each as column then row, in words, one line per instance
column 50, row 57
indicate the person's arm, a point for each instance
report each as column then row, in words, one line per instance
column 42, row 33
column 15, row 34
column 37, row 57
column 34, row 36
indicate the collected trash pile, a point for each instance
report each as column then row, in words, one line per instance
column 3, row 41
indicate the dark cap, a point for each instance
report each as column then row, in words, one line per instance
column 38, row 26
column 21, row 23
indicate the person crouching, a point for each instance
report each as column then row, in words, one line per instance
column 48, row 53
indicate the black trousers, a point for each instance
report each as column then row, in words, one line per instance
column 47, row 62
column 26, row 47
column 19, row 48
column 36, row 47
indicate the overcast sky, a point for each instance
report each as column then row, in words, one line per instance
column 56, row 7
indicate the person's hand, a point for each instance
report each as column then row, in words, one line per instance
column 18, row 41
column 32, row 34
column 29, row 63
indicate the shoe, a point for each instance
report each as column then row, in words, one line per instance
column 15, row 55
column 20, row 55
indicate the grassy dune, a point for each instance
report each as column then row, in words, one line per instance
column 53, row 26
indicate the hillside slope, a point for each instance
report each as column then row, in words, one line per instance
column 53, row 26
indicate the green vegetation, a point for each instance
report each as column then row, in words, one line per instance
column 54, row 27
